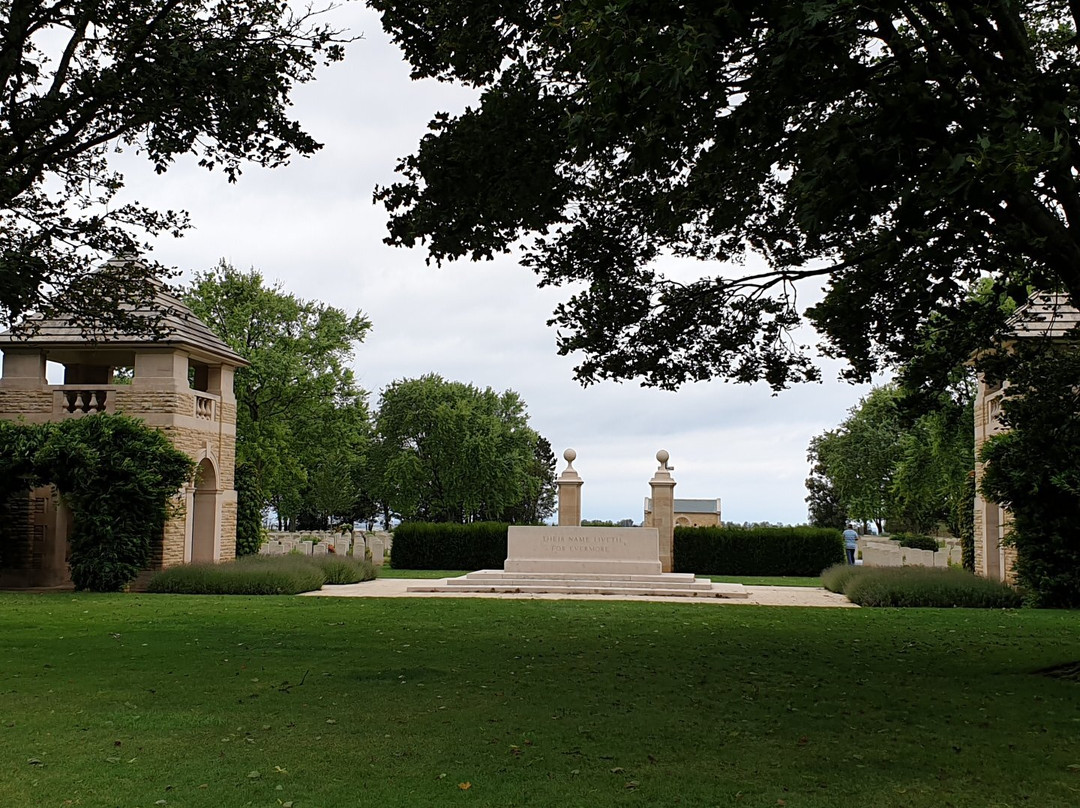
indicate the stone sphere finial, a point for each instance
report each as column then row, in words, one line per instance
column 663, row 457
column 569, row 456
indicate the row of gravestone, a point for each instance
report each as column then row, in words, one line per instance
column 327, row 543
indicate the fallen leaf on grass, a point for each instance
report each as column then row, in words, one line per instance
column 35, row 762
column 632, row 785
column 254, row 775
column 616, row 770
column 465, row 786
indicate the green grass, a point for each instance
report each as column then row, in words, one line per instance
column 112, row 700
column 762, row 580
column 386, row 571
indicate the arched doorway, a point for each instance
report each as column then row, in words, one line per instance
column 204, row 513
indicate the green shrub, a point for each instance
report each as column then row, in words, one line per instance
column 835, row 578
column 249, row 529
column 787, row 551
column 119, row 477
column 917, row 541
column 937, row 587
column 344, row 569
column 262, row 575
column 449, row 546
column 251, row 575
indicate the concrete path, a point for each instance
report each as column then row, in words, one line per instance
column 758, row 595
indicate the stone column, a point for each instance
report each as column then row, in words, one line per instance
column 663, row 509
column 569, row 485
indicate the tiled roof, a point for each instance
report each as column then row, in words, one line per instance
column 178, row 326
column 691, row 505
column 1046, row 315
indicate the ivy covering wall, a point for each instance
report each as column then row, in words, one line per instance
column 118, row 476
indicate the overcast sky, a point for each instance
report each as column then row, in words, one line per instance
column 313, row 227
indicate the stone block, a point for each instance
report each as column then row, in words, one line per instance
column 320, row 549
column 305, row 547
column 566, row 548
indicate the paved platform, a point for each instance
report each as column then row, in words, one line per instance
column 754, row 595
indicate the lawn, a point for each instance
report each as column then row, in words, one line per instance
column 276, row 701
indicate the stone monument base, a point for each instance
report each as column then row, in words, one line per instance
column 583, row 561
column 667, row 584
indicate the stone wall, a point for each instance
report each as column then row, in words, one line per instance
column 31, row 403
column 228, row 526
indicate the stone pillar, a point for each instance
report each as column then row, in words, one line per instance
column 569, row 484
column 663, row 509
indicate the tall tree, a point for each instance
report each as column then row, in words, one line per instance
column 859, row 458
column 450, row 452
column 824, row 507
column 301, row 419
column 538, row 500
column 81, row 79
column 896, row 151
column 931, row 481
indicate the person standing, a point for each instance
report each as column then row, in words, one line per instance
column 850, row 543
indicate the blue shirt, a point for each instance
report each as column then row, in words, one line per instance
column 850, row 537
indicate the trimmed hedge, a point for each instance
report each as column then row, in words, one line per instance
column 790, row 551
column 448, row 546
column 936, row 587
column 261, row 575
column 917, row 541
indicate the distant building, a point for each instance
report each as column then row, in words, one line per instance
column 689, row 513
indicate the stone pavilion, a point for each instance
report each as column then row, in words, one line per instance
column 178, row 380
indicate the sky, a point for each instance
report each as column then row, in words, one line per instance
column 312, row 227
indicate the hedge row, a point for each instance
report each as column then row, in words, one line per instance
column 938, row 587
column 917, row 541
column 448, row 546
column 262, row 575
column 789, row 551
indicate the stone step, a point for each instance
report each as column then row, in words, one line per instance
column 582, row 590
column 701, row 588
column 543, row 580
column 485, row 575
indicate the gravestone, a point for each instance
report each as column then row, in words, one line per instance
column 377, row 551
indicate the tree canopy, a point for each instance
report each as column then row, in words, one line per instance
column 80, row 79
column 302, row 421
column 901, row 469
column 896, row 152
column 450, row 452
